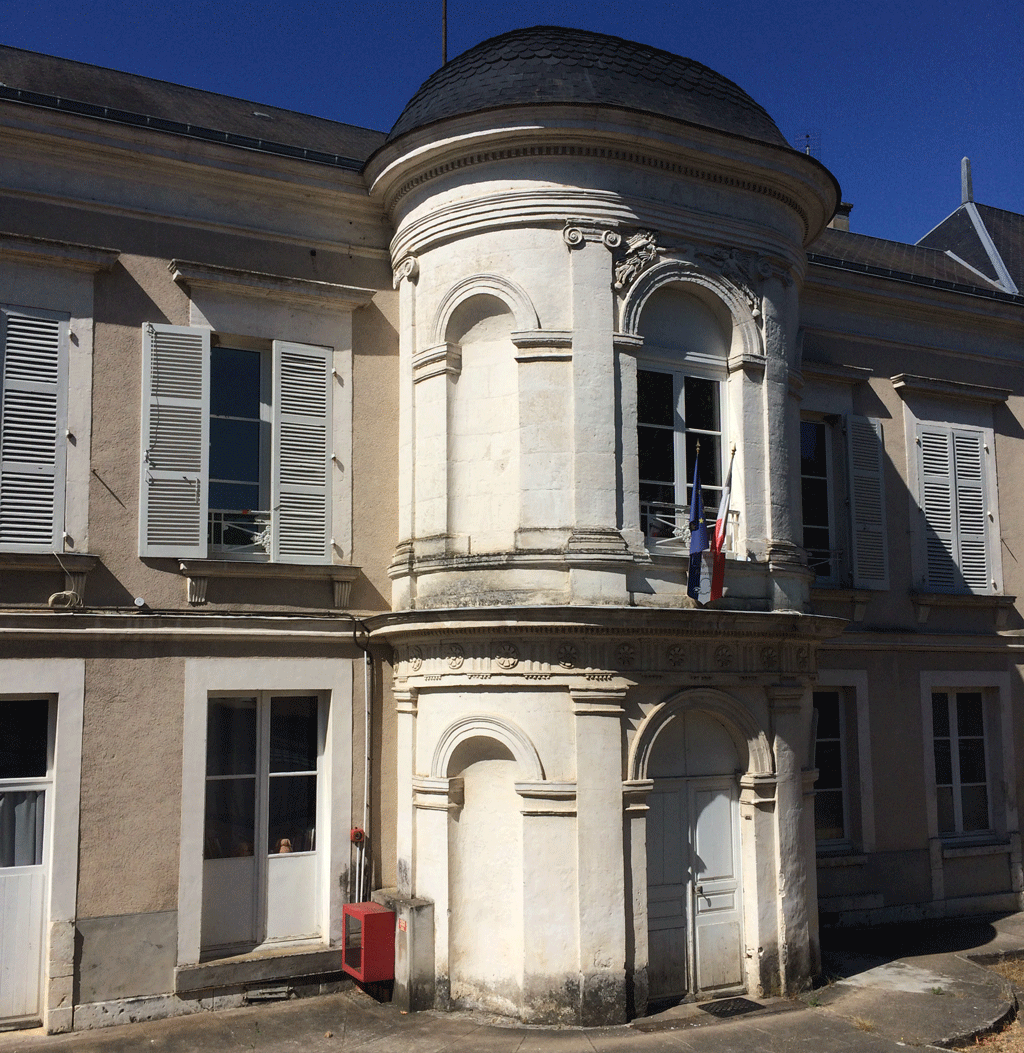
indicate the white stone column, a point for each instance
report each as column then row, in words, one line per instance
column 405, row 751
column 595, row 466
column 433, row 370
column 433, row 800
column 635, row 809
column 790, row 729
column 627, row 347
column 405, row 276
column 600, row 854
column 549, row 904
column 790, row 577
column 545, row 438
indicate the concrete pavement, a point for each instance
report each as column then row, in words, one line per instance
column 915, row 985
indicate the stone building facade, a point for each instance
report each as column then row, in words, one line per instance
column 346, row 483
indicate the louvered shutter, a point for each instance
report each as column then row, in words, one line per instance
column 971, row 509
column 301, row 461
column 33, row 423
column 175, row 441
column 938, row 506
column 867, row 504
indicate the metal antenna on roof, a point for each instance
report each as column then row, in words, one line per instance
column 809, row 142
column 966, row 182
column 444, row 32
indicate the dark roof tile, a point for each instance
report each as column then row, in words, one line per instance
column 592, row 68
column 99, row 92
column 957, row 234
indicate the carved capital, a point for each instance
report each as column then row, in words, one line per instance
column 578, row 232
column 408, row 267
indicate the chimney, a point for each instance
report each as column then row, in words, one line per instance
column 841, row 220
column 966, row 183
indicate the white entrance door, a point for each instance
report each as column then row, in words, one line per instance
column 25, row 779
column 261, row 870
column 693, row 888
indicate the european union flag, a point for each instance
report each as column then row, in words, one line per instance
column 698, row 533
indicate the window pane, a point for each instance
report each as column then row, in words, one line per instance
column 21, row 828
column 234, row 382
column 231, row 736
column 828, row 815
column 969, row 718
column 812, row 448
column 940, row 713
column 24, row 732
column 655, row 399
column 972, row 760
column 700, row 403
column 292, row 814
column 709, row 463
column 235, row 497
column 814, row 493
column 293, row 733
column 975, row 808
column 943, row 763
column 235, row 450
column 944, row 800
column 827, row 705
column 829, row 762
column 657, row 454
column 230, row 818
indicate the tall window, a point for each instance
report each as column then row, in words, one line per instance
column 954, row 501
column 961, row 771
column 260, row 839
column 33, row 422
column 830, row 804
column 237, row 447
column 239, row 514
column 816, row 475
column 675, row 412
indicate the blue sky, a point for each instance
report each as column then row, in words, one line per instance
column 893, row 94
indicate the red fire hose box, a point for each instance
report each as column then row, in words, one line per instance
column 369, row 933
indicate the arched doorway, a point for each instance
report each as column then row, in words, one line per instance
column 694, row 894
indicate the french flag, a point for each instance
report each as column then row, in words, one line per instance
column 718, row 541
column 698, row 534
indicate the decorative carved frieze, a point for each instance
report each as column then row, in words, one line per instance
column 601, row 656
column 641, row 251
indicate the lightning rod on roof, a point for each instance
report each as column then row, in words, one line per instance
column 444, row 32
column 966, row 183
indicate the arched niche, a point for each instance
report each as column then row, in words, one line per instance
column 491, row 286
column 748, row 738
column 718, row 297
column 450, row 751
column 479, row 318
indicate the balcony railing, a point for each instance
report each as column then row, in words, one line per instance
column 667, row 527
column 242, row 535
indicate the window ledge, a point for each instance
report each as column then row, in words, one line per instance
column 956, row 850
column 260, row 966
column 75, row 567
column 908, row 384
column 857, row 598
column 841, row 859
column 999, row 605
column 199, row 571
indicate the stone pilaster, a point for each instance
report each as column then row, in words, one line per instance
column 598, row 716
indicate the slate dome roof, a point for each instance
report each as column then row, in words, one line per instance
column 550, row 65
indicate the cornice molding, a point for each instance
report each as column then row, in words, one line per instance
column 46, row 252
column 299, row 291
column 470, row 157
column 909, row 384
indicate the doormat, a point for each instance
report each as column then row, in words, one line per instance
column 726, row 1007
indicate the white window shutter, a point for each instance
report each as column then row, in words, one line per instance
column 867, row 504
column 971, row 509
column 301, row 461
column 175, row 441
column 938, row 506
column 33, row 424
